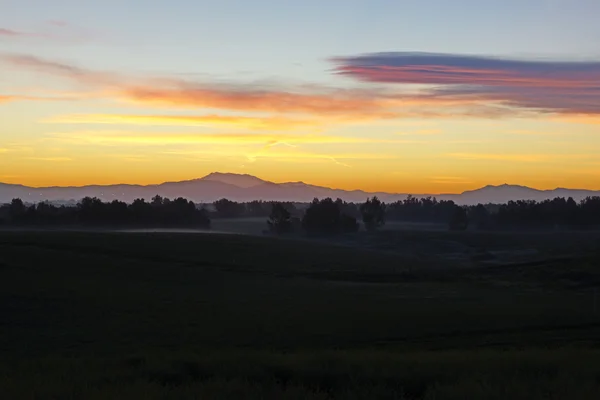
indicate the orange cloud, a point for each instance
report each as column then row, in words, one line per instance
column 528, row 132
column 268, row 140
column 51, row 159
column 270, row 123
column 421, row 132
column 528, row 158
column 579, row 119
column 299, row 155
column 445, row 180
column 189, row 95
column 487, row 89
column 53, row 97
column 338, row 105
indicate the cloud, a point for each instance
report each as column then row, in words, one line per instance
column 580, row 119
column 527, row 158
column 546, row 85
column 4, row 32
column 528, row 132
column 15, row 148
column 267, row 123
column 188, row 94
column 295, row 156
column 53, row 97
column 421, row 132
column 161, row 139
column 336, row 161
column 51, row 159
column 54, row 30
column 450, row 180
column 429, row 86
column 6, row 99
column 355, row 104
column 279, row 143
column 65, row 70
column 335, row 105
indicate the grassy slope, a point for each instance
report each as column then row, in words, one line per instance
column 156, row 315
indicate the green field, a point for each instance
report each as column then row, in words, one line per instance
column 391, row 315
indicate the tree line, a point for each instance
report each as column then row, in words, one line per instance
column 160, row 212
column 324, row 216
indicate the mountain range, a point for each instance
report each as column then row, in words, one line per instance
column 241, row 187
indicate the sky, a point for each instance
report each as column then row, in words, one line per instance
column 407, row 96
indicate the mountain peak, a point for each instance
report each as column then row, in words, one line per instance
column 505, row 186
column 239, row 180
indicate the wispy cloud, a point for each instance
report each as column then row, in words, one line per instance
column 267, row 123
column 265, row 139
column 528, row 132
column 580, row 119
column 335, row 160
column 450, row 180
column 296, row 156
column 430, row 86
column 189, row 94
column 14, row 148
column 548, row 85
column 65, row 70
column 335, row 104
column 54, row 30
column 4, row 32
column 501, row 157
column 51, row 159
column 52, row 97
column 421, row 132
column 527, row 158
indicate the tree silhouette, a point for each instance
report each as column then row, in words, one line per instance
column 373, row 213
column 279, row 221
column 229, row 209
column 480, row 216
column 324, row 217
column 157, row 201
column 321, row 217
column 16, row 210
column 459, row 220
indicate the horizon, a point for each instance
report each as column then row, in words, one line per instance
column 375, row 97
column 302, row 182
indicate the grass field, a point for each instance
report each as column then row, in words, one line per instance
column 393, row 315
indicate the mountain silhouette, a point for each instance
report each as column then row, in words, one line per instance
column 239, row 180
column 243, row 187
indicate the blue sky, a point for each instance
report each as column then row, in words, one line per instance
column 274, row 38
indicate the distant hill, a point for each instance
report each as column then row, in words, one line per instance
column 239, row 180
column 247, row 187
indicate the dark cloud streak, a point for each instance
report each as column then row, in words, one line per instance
column 546, row 85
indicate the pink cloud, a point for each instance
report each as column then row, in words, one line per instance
column 546, row 85
column 495, row 91
column 12, row 33
column 53, row 30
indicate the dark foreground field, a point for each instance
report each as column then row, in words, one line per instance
column 424, row 315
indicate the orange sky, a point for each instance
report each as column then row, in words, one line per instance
column 75, row 110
